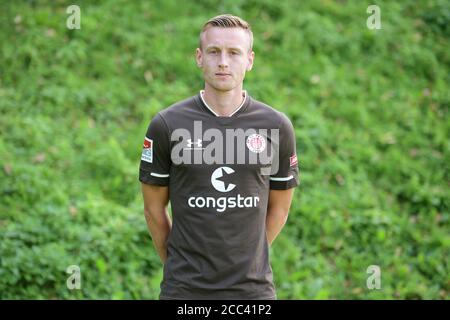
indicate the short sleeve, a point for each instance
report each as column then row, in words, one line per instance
column 287, row 175
column 155, row 163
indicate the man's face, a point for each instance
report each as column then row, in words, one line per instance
column 225, row 57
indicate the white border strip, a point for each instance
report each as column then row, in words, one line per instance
column 282, row 179
column 202, row 92
column 158, row 175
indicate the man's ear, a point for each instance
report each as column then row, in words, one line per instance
column 199, row 57
column 251, row 58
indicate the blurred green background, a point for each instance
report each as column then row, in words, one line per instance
column 370, row 110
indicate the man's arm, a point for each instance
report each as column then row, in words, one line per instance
column 157, row 216
column 277, row 212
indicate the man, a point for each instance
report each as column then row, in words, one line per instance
column 209, row 155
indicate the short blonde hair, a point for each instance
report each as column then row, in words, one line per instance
column 227, row 21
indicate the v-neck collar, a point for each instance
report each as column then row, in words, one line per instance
column 241, row 107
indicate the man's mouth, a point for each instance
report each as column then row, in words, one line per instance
column 222, row 74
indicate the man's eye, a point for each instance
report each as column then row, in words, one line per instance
column 213, row 51
column 234, row 52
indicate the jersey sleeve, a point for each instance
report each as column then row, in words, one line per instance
column 287, row 176
column 155, row 163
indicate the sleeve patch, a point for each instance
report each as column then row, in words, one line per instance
column 293, row 160
column 147, row 151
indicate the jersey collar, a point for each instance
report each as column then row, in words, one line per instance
column 244, row 93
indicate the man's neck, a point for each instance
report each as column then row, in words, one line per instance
column 223, row 103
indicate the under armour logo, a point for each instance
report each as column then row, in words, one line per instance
column 198, row 144
column 222, row 185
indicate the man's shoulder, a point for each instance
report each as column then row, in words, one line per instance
column 178, row 108
column 268, row 112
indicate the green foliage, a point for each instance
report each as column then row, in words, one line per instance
column 370, row 110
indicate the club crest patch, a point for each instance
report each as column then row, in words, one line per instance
column 256, row 143
column 147, row 151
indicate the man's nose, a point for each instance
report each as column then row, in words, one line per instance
column 223, row 62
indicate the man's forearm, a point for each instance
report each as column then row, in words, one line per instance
column 159, row 225
column 275, row 221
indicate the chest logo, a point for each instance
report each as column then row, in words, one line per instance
column 256, row 143
column 220, row 179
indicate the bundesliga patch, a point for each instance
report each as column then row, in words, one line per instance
column 147, row 152
column 256, row 143
column 293, row 160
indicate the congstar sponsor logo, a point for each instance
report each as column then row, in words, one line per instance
column 221, row 181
